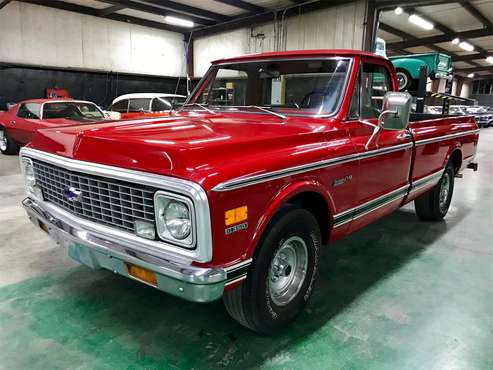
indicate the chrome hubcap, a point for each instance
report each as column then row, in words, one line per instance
column 401, row 80
column 288, row 270
column 3, row 141
column 444, row 191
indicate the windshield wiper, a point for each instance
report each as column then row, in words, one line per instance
column 267, row 111
column 201, row 106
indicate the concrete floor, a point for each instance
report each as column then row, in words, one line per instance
column 400, row 294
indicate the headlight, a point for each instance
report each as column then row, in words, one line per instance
column 29, row 179
column 174, row 218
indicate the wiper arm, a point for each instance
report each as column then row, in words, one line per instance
column 201, row 106
column 267, row 111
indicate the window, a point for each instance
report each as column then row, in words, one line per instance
column 120, row 106
column 298, row 87
column 159, row 105
column 375, row 83
column 72, row 110
column 355, row 100
column 29, row 111
column 139, row 105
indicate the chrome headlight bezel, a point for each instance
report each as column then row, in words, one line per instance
column 27, row 169
column 161, row 201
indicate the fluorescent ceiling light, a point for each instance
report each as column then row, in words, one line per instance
column 455, row 41
column 489, row 60
column 418, row 21
column 470, row 75
column 178, row 21
column 398, row 10
column 466, row 46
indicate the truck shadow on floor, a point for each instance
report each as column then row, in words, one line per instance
column 152, row 328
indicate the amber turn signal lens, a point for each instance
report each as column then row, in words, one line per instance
column 233, row 216
column 142, row 274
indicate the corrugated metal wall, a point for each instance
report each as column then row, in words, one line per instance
column 338, row 27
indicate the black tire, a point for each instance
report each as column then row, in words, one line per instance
column 253, row 304
column 404, row 79
column 431, row 206
column 7, row 145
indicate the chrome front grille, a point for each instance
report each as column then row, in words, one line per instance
column 103, row 200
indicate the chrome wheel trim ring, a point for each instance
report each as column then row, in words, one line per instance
column 287, row 271
column 3, row 141
column 402, row 80
column 444, row 192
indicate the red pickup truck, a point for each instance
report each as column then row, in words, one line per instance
column 234, row 195
column 19, row 124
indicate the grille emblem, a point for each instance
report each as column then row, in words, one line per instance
column 72, row 194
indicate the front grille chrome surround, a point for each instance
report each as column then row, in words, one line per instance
column 201, row 250
column 111, row 202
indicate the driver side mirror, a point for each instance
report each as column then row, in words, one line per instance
column 396, row 109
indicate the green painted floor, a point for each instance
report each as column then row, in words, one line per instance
column 400, row 294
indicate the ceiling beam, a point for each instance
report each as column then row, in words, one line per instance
column 423, row 41
column 477, row 14
column 268, row 16
column 474, row 69
column 4, row 3
column 252, row 8
column 94, row 12
column 189, row 10
column 391, row 4
column 109, row 10
column 157, row 11
column 469, row 57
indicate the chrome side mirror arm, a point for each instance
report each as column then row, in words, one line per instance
column 379, row 127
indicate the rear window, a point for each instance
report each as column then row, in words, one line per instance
column 121, row 106
column 139, row 105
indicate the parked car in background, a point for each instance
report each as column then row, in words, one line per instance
column 19, row 124
column 408, row 66
column 483, row 116
column 144, row 105
column 458, row 110
column 235, row 197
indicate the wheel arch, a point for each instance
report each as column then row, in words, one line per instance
column 454, row 155
column 310, row 195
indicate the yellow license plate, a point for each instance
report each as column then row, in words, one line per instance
column 142, row 274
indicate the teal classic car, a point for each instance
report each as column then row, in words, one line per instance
column 407, row 66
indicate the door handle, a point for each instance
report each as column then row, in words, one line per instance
column 12, row 122
column 405, row 136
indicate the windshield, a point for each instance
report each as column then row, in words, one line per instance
column 289, row 87
column 71, row 110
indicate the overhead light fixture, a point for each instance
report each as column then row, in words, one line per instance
column 178, row 21
column 456, row 41
column 470, row 75
column 466, row 46
column 489, row 60
column 398, row 10
column 418, row 21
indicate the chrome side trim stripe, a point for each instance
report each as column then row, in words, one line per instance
column 273, row 175
column 427, row 180
column 370, row 206
column 446, row 137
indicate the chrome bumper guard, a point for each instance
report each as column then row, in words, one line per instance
column 96, row 250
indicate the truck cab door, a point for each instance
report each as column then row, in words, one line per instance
column 24, row 122
column 385, row 160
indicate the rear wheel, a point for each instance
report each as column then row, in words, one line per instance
column 404, row 80
column 282, row 275
column 7, row 145
column 434, row 204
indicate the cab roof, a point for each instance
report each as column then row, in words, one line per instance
column 299, row 53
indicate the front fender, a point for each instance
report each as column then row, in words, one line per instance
column 282, row 197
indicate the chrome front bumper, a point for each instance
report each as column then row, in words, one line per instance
column 97, row 250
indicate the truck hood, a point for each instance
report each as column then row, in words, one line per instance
column 207, row 149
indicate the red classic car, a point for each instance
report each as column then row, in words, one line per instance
column 19, row 124
column 273, row 156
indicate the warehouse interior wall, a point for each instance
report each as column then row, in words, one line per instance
column 41, row 36
column 338, row 27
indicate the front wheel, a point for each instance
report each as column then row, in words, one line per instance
column 434, row 204
column 282, row 275
column 7, row 145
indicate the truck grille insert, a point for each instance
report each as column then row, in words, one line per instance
column 103, row 200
